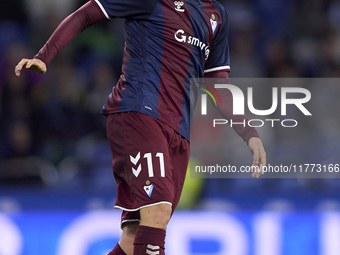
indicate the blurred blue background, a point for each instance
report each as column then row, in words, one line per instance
column 218, row 233
column 55, row 162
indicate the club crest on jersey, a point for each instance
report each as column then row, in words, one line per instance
column 148, row 189
column 213, row 23
column 179, row 5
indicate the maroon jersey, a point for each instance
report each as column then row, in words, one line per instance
column 167, row 43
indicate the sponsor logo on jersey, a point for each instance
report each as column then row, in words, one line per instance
column 213, row 23
column 148, row 189
column 179, row 5
column 180, row 36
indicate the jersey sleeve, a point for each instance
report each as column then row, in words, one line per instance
column 219, row 58
column 68, row 29
column 129, row 9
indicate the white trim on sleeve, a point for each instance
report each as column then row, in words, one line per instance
column 102, row 8
column 217, row 69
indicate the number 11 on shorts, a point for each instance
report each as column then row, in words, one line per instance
column 148, row 157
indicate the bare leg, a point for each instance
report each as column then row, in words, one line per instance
column 150, row 235
column 156, row 216
column 128, row 236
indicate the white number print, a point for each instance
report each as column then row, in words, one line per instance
column 161, row 162
column 148, row 157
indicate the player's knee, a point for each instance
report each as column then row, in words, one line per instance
column 163, row 212
column 156, row 216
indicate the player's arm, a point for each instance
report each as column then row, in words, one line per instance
column 248, row 134
column 226, row 108
column 218, row 66
column 68, row 29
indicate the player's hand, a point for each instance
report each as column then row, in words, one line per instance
column 259, row 156
column 34, row 64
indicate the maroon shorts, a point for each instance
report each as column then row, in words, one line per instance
column 149, row 161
